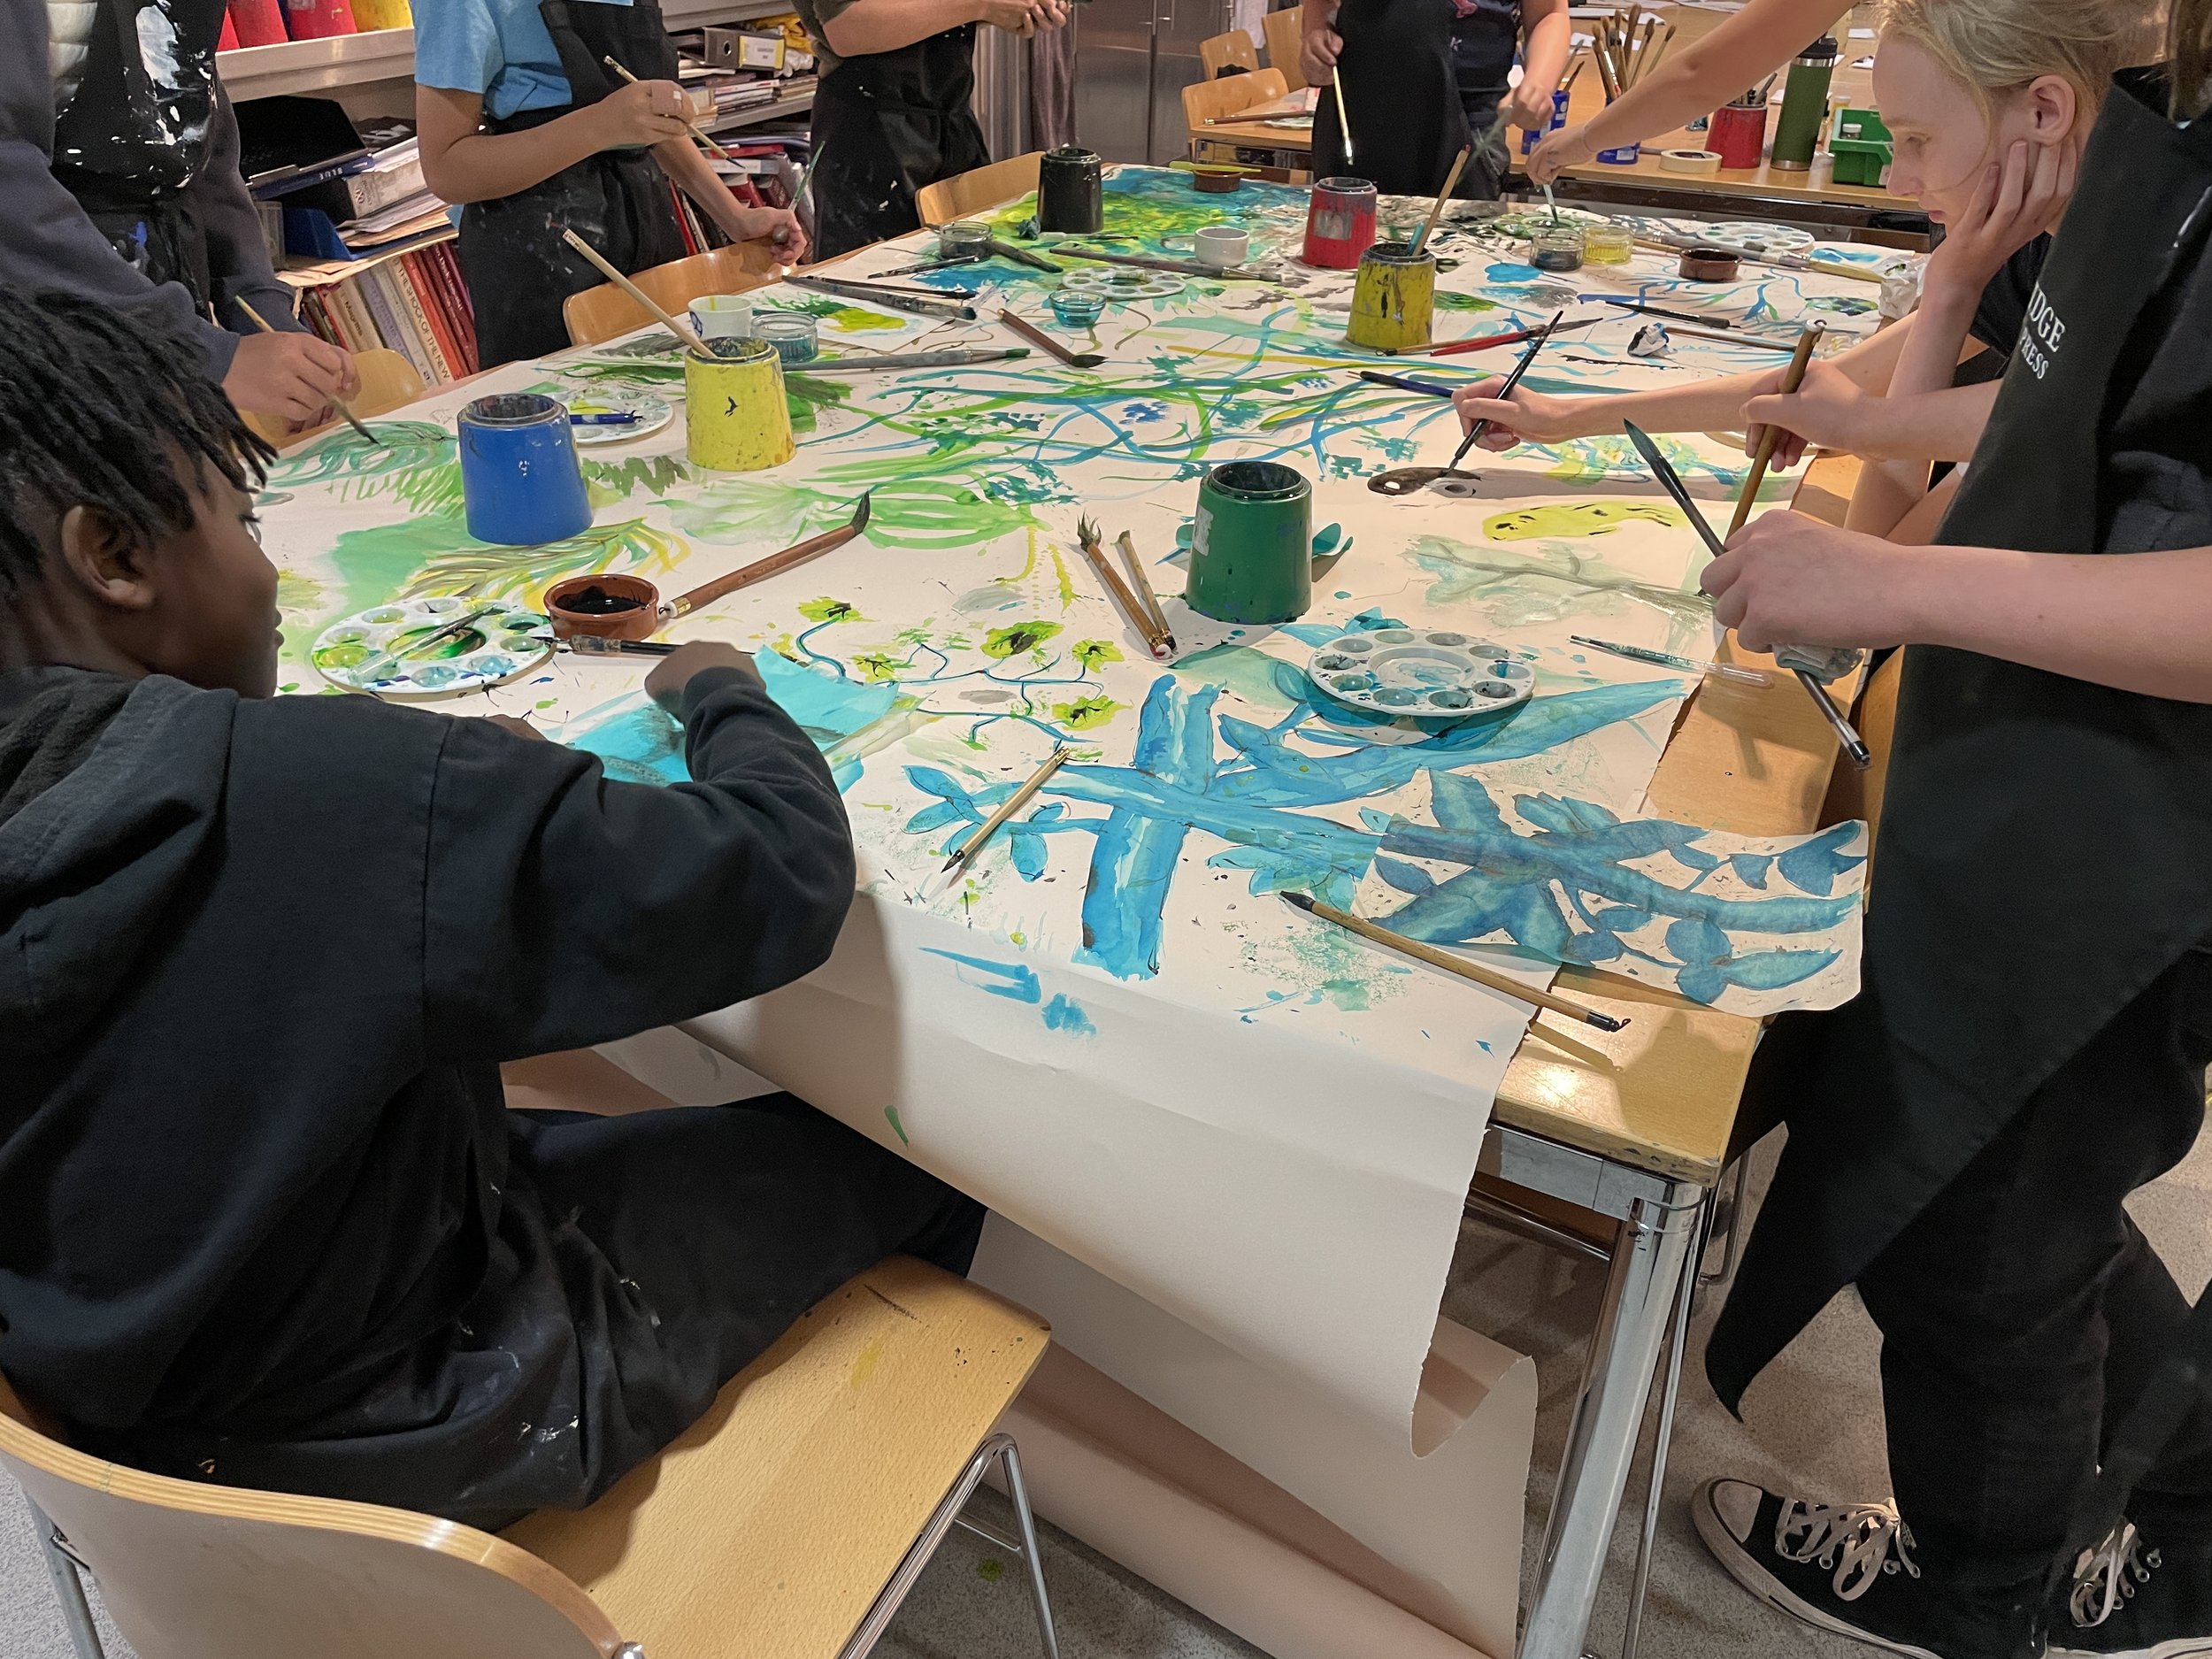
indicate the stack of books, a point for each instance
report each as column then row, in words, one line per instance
column 413, row 302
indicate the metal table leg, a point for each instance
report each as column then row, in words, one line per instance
column 1649, row 1265
column 1663, row 1437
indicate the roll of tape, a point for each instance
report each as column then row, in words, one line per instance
column 1689, row 161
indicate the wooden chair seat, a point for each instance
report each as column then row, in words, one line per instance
column 970, row 192
column 767, row 1531
column 1206, row 101
column 605, row 312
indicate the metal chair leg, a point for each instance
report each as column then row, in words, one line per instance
column 1671, row 1393
column 61, row 1566
column 1738, row 1195
column 997, row 1449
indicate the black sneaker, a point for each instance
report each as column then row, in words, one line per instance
column 1847, row 1569
column 2132, row 1599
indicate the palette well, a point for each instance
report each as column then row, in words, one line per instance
column 506, row 643
column 1421, row 673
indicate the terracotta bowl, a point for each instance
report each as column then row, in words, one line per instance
column 1217, row 180
column 639, row 622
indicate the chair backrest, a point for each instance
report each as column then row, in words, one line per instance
column 387, row 381
column 201, row 1571
column 1283, row 41
column 605, row 312
column 1223, row 51
column 1208, row 100
column 970, row 192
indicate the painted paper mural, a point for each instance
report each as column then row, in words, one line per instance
column 939, row 659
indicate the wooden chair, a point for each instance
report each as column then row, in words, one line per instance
column 970, row 192
column 788, row 1523
column 1223, row 52
column 1209, row 100
column 602, row 312
column 1284, row 38
column 387, row 381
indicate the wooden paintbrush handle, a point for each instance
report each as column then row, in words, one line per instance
column 1118, row 592
column 1792, row 376
column 1037, row 337
column 682, row 331
column 759, row 571
column 1451, row 963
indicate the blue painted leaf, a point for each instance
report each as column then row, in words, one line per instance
column 932, row 781
column 1461, row 803
column 937, row 817
column 1028, row 850
column 1050, row 812
column 1771, row 970
column 1814, row 865
column 1325, row 538
column 1291, row 683
column 1751, row 868
column 1696, row 942
column 1695, row 858
column 1593, row 948
column 1623, row 918
column 1371, row 819
column 1404, row 877
column 1701, row 984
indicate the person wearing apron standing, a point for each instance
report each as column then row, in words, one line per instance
column 120, row 182
column 1422, row 79
column 2031, row 1040
column 891, row 111
column 522, row 123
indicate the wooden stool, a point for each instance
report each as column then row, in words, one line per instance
column 788, row 1523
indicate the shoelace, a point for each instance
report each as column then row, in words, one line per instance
column 1860, row 1541
column 2105, row 1577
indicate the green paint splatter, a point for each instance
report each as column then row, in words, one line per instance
column 831, row 611
column 1446, row 300
column 297, row 592
column 1017, row 638
column 891, row 1115
column 846, row 320
column 1085, row 712
column 1091, row 653
column 1067, row 584
column 990, row 1570
column 611, row 481
column 877, row 666
column 1348, row 995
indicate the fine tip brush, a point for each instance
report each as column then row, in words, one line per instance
column 683, row 331
column 1343, row 120
column 338, row 404
column 1012, row 804
column 1450, row 964
column 1451, row 179
column 1142, row 584
column 1535, row 345
column 1847, row 735
column 1792, row 376
column 697, row 131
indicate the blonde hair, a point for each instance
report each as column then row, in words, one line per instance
column 1992, row 47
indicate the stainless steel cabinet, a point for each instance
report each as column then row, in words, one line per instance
column 1133, row 59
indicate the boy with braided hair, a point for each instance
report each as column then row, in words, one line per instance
column 265, row 1218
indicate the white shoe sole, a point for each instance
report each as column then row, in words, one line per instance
column 1737, row 1562
column 2182, row 1649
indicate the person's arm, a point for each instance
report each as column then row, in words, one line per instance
column 884, row 26
column 1319, row 45
column 1546, row 42
column 683, row 161
column 1694, row 80
column 562, row 910
column 1715, row 405
column 462, row 164
column 2137, row 621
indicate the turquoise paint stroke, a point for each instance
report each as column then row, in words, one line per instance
column 1009, row 979
column 1063, row 1013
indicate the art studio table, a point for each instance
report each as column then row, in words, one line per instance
column 1108, row 1027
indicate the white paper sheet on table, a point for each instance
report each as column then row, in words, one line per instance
column 1110, row 1030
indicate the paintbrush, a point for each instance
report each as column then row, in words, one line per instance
column 1511, row 380
column 914, row 360
column 798, row 195
column 378, row 667
column 1669, row 659
column 1156, row 640
column 1450, row 964
column 775, row 563
column 934, row 264
column 1661, row 310
column 1459, row 165
column 1006, row 249
column 1186, row 267
column 1512, row 337
column 1779, row 261
column 697, row 131
column 1425, row 388
column 1012, row 804
column 1728, row 340
column 1142, row 584
column 1792, row 376
column 891, row 299
column 683, row 331
column 1037, row 336
column 592, row 645
column 1847, row 735
column 338, row 404
column 1343, row 120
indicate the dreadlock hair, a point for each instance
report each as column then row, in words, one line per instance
column 97, row 410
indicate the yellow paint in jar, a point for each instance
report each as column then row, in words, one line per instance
column 1394, row 298
column 736, row 418
column 1607, row 244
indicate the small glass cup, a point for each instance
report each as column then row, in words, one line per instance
column 797, row 336
column 1607, row 244
column 1556, row 248
column 1076, row 310
column 962, row 236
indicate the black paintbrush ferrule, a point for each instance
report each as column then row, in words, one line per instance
column 1425, row 388
column 1671, row 481
column 1511, row 380
column 1303, row 901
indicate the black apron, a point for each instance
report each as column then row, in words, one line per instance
column 885, row 125
column 1401, row 95
column 1484, row 36
column 129, row 147
column 517, row 268
column 2046, row 844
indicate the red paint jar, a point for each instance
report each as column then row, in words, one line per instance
column 1339, row 223
column 1740, row 133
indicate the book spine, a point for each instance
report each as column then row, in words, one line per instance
column 383, row 14
column 459, row 307
column 425, row 306
column 421, row 350
column 354, row 316
column 388, row 324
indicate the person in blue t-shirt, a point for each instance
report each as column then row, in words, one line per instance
column 524, row 123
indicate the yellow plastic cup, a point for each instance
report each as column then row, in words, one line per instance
column 1394, row 298
column 737, row 420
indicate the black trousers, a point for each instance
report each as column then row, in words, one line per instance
column 640, row 1263
column 2023, row 1312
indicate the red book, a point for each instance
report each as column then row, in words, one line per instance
column 459, row 312
column 318, row 20
column 256, row 22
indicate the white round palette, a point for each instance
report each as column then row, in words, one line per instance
column 652, row 414
column 1421, row 673
column 506, row 643
column 1119, row 282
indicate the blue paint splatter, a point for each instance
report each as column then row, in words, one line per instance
column 1009, row 979
column 1062, row 1013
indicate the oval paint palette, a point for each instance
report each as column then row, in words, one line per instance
column 1421, row 673
column 368, row 652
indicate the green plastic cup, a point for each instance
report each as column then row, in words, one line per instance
column 1251, row 551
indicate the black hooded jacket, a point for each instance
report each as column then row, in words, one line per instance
column 258, row 964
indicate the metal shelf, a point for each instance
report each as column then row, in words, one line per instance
column 761, row 112
column 353, row 60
